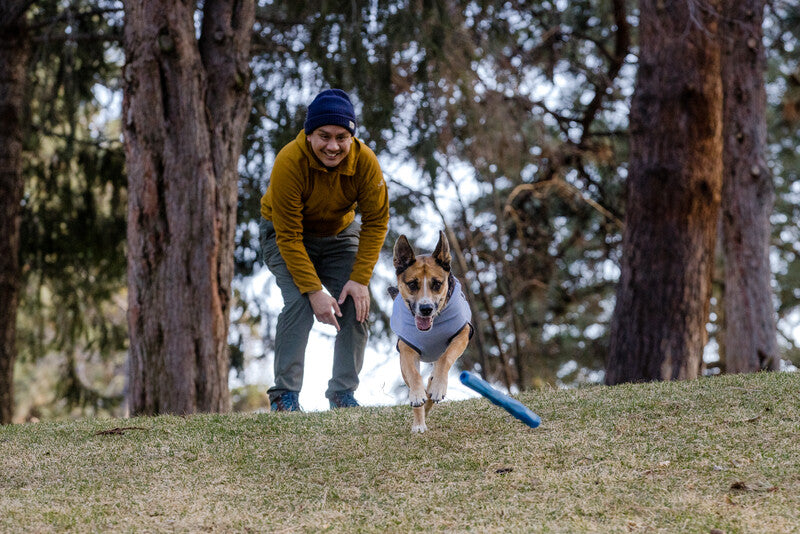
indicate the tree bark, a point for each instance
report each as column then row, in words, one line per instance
column 185, row 109
column 748, row 195
column 658, row 328
column 14, row 52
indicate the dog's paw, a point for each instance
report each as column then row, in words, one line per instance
column 417, row 398
column 418, row 428
column 437, row 389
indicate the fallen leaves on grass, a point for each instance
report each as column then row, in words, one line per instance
column 119, row 431
column 749, row 485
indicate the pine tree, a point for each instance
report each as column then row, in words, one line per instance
column 14, row 51
column 750, row 337
column 658, row 330
column 185, row 108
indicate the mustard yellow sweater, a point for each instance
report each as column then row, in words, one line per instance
column 305, row 198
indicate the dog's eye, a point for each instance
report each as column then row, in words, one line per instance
column 413, row 285
column 436, row 285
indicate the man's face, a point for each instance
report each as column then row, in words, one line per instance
column 330, row 144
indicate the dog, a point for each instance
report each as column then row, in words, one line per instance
column 431, row 318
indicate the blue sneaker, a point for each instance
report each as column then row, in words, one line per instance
column 288, row 401
column 343, row 399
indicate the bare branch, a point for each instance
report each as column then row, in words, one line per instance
column 622, row 41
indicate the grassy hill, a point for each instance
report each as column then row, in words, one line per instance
column 716, row 453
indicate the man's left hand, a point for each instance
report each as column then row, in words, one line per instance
column 360, row 294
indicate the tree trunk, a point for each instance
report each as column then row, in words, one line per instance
column 674, row 186
column 14, row 51
column 750, row 335
column 185, row 109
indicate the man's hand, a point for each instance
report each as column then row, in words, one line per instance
column 360, row 294
column 325, row 307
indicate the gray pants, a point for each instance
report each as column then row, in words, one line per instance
column 333, row 259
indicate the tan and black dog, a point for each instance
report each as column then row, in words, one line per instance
column 431, row 318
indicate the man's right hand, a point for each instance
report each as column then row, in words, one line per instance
column 325, row 307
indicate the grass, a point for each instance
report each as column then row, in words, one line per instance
column 715, row 453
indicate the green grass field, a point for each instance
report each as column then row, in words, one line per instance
column 716, row 453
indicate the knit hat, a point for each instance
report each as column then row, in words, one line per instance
column 331, row 107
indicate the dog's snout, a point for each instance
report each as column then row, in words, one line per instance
column 425, row 309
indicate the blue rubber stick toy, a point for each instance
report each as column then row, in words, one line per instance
column 512, row 406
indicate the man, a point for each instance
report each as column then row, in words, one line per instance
column 310, row 239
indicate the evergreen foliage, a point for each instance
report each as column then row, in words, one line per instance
column 74, row 206
column 503, row 121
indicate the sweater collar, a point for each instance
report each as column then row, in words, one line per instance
column 348, row 165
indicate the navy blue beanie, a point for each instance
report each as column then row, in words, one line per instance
column 331, row 107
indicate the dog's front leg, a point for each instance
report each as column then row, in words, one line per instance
column 417, row 396
column 409, row 367
column 437, row 389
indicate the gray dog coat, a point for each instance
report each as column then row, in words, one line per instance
column 432, row 343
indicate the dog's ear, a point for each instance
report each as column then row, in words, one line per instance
column 403, row 255
column 442, row 252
